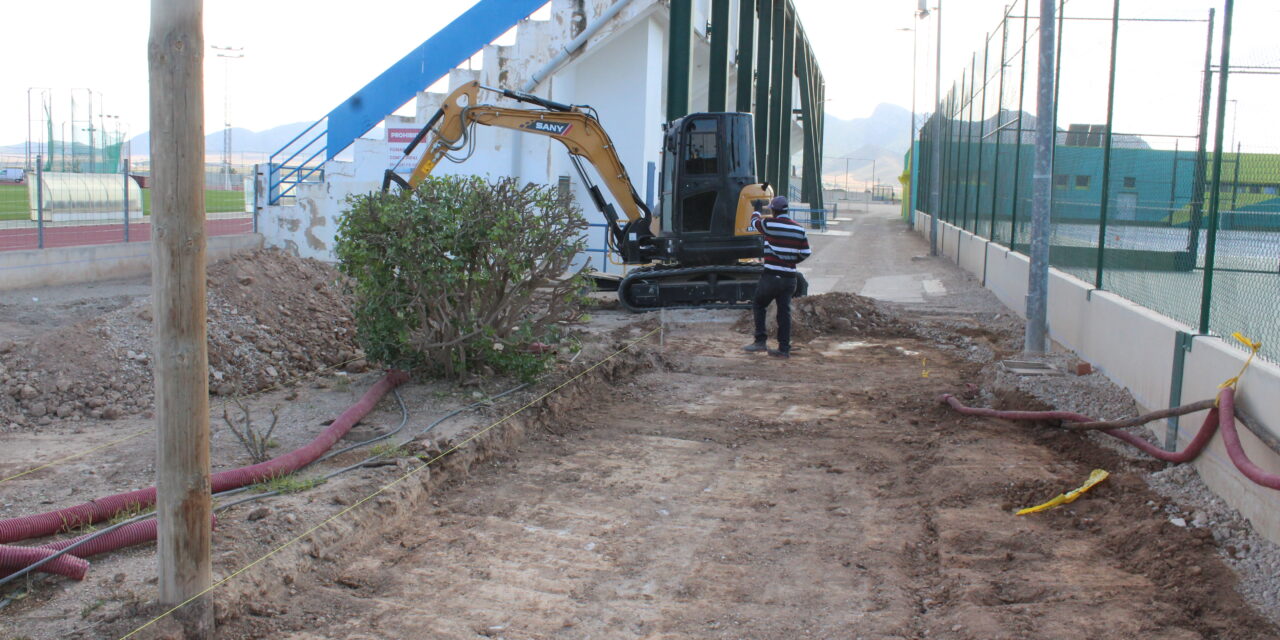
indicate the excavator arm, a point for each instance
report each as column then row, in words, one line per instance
column 579, row 131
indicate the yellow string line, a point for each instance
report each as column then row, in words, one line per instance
column 278, row 385
column 407, row 475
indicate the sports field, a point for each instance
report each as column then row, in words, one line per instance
column 14, row 204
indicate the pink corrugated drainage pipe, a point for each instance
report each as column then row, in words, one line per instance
column 1222, row 416
column 72, row 564
column 51, row 522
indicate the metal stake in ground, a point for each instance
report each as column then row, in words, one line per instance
column 176, row 60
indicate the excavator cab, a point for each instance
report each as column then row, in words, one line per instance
column 708, row 165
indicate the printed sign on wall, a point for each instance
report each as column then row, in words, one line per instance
column 397, row 140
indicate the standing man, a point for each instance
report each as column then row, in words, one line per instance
column 785, row 246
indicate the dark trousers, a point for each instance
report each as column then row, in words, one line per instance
column 774, row 288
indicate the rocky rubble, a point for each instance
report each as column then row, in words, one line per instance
column 831, row 313
column 271, row 318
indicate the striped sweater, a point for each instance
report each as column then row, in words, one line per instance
column 785, row 243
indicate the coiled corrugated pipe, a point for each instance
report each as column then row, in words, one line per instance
column 72, row 564
column 1222, row 416
column 18, row 558
column 51, row 522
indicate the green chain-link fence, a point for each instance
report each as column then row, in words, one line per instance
column 1141, row 204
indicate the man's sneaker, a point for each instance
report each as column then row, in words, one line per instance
column 755, row 347
column 774, row 353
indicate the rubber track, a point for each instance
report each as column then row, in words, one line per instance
column 664, row 273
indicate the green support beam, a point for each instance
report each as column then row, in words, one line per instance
column 788, row 98
column 810, row 188
column 746, row 53
column 764, row 59
column 718, row 75
column 776, row 82
column 678, row 58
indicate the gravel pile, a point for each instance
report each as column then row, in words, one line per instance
column 1255, row 559
column 271, row 317
column 831, row 314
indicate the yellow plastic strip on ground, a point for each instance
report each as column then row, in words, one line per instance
column 1253, row 351
column 1097, row 476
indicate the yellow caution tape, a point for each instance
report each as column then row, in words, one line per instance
column 1097, row 476
column 1253, row 351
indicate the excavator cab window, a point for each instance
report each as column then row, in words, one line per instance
column 700, row 179
column 701, row 155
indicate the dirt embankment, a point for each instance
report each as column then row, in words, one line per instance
column 271, row 316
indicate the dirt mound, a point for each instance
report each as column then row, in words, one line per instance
column 830, row 314
column 271, row 317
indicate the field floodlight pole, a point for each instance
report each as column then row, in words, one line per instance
column 175, row 54
column 227, row 54
column 1042, row 182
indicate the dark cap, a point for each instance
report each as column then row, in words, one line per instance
column 779, row 204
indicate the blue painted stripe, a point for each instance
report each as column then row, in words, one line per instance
column 442, row 52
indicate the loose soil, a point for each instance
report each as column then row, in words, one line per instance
column 726, row 495
column 681, row 489
column 271, row 316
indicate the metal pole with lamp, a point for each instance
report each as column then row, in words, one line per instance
column 227, row 54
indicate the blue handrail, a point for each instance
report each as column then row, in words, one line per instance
column 442, row 52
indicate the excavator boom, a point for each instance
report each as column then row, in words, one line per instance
column 579, row 131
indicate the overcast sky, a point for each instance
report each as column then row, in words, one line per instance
column 303, row 58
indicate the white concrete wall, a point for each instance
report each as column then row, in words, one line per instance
column 94, row 263
column 1134, row 346
column 620, row 72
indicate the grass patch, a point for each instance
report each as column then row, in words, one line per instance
column 290, row 483
column 389, row 450
column 91, row 607
column 214, row 201
column 130, row 511
column 13, row 202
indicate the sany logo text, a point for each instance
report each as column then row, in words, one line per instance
column 554, row 128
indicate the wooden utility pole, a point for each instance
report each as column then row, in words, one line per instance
column 183, row 506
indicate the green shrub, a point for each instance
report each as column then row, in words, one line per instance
column 462, row 275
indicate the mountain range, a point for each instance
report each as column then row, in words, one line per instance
column 858, row 150
column 850, row 144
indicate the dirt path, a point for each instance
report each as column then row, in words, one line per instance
column 735, row 497
column 719, row 495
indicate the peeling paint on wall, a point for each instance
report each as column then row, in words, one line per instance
column 316, row 220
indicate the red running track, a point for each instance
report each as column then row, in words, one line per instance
column 87, row 234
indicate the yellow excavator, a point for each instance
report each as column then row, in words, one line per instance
column 697, row 252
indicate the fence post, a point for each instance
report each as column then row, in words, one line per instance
column 995, row 171
column 1211, row 241
column 1017, row 151
column 935, row 151
column 1106, row 150
column 39, row 201
column 1198, row 181
column 126, row 200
